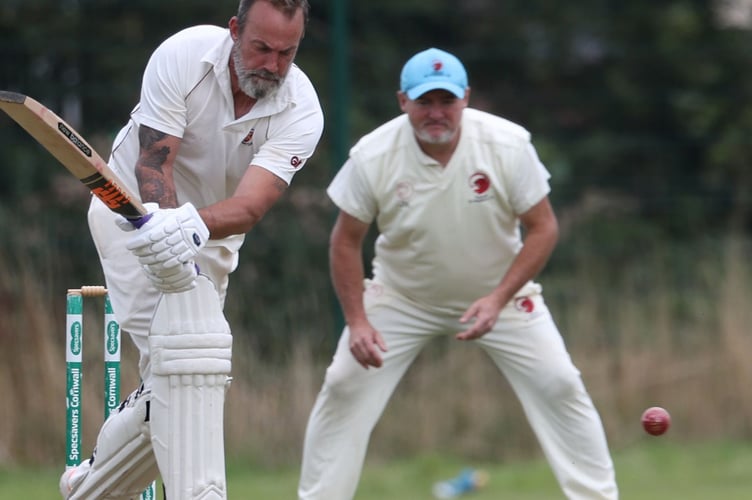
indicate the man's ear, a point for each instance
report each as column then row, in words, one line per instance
column 402, row 99
column 233, row 25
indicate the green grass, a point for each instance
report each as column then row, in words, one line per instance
column 654, row 470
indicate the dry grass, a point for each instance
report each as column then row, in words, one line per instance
column 32, row 334
column 639, row 342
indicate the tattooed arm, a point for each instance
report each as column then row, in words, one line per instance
column 157, row 152
column 258, row 190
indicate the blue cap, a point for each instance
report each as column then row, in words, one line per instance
column 433, row 69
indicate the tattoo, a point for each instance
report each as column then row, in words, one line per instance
column 147, row 136
column 154, row 186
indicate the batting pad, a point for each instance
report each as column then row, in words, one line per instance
column 191, row 347
column 123, row 464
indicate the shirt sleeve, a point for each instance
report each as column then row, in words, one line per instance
column 162, row 105
column 529, row 180
column 350, row 191
column 293, row 136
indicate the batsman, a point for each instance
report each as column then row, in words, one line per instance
column 224, row 122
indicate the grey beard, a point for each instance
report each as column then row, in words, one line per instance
column 444, row 138
column 257, row 89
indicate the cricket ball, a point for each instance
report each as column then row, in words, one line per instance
column 656, row 420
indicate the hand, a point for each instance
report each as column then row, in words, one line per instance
column 170, row 237
column 365, row 344
column 485, row 311
column 176, row 279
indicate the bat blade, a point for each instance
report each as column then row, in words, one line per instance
column 70, row 149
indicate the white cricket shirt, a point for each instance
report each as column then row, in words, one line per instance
column 447, row 235
column 186, row 93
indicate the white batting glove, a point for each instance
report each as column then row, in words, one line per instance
column 180, row 278
column 170, row 237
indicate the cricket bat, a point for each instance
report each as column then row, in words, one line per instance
column 67, row 145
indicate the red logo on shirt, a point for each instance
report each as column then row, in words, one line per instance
column 479, row 182
column 524, row 304
column 295, row 161
column 248, row 140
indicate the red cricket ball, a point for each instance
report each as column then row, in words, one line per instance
column 656, row 420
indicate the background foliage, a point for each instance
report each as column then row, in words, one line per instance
column 637, row 107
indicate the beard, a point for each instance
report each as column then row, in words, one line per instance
column 256, row 83
column 426, row 137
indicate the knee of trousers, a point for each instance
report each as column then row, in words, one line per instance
column 564, row 383
column 346, row 380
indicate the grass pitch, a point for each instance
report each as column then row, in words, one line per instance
column 655, row 469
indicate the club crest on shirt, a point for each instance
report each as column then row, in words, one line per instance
column 248, row 139
column 404, row 192
column 480, row 184
column 524, row 304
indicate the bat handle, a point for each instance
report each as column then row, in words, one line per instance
column 140, row 221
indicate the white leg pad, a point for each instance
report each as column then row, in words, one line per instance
column 123, row 464
column 191, row 349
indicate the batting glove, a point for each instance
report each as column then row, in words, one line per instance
column 180, row 278
column 170, row 237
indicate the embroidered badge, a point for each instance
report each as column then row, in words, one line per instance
column 248, row 140
column 403, row 191
column 524, row 304
column 479, row 182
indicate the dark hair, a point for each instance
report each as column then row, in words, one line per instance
column 289, row 7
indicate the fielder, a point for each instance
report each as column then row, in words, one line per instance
column 224, row 122
column 449, row 188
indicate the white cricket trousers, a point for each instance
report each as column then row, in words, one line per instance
column 526, row 347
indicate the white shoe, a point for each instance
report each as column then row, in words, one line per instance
column 72, row 478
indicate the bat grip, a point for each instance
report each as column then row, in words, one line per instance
column 140, row 221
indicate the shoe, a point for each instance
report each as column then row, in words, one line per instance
column 72, row 477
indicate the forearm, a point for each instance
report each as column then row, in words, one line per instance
column 542, row 233
column 347, row 278
column 229, row 217
column 530, row 261
column 257, row 192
